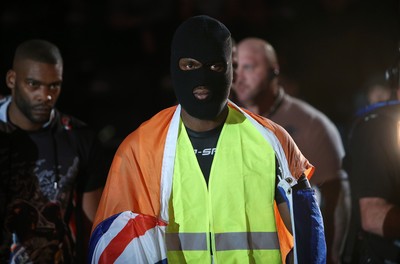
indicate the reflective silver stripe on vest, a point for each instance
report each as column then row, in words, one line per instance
column 243, row 240
column 223, row 241
column 186, row 241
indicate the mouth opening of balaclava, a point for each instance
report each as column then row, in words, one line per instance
column 208, row 41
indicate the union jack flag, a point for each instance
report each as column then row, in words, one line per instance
column 128, row 237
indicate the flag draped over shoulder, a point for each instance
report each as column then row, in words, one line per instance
column 133, row 212
column 128, row 238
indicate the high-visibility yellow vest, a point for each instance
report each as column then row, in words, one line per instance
column 234, row 217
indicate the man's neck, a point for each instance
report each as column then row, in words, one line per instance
column 265, row 104
column 200, row 125
column 273, row 107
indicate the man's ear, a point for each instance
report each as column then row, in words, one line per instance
column 10, row 79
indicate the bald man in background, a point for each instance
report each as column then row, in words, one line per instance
column 257, row 88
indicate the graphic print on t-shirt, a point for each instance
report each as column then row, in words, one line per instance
column 204, row 147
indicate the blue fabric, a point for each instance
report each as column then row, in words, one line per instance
column 310, row 236
column 98, row 232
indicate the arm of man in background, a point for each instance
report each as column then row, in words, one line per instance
column 380, row 217
column 90, row 202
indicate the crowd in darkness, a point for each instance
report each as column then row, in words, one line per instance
column 117, row 52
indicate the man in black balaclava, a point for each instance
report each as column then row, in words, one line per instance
column 195, row 174
column 201, row 66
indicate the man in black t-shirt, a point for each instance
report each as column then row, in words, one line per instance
column 373, row 164
column 51, row 167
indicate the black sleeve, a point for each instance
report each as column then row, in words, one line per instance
column 97, row 169
column 95, row 162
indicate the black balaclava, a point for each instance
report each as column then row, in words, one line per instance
column 208, row 41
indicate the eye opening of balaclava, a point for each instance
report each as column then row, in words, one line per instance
column 208, row 41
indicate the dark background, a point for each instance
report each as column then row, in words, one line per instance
column 116, row 52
